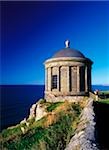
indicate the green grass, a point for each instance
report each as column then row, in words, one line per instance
column 105, row 101
column 53, row 137
column 39, row 137
column 53, row 106
column 105, row 92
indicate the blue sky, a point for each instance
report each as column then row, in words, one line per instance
column 33, row 31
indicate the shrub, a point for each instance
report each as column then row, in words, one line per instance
column 53, row 106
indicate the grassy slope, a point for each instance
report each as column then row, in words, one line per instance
column 105, row 92
column 51, row 132
column 106, row 101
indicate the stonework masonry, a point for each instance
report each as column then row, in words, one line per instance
column 84, row 137
column 72, row 77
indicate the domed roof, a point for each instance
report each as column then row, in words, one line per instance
column 68, row 52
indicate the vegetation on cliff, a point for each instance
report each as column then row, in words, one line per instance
column 53, row 131
column 105, row 101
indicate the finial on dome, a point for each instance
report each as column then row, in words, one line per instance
column 67, row 43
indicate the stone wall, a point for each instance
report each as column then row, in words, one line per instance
column 84, row 137
column 52, row 98
column 71, row 79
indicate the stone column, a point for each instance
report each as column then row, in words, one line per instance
column 64, row 79
column 58, row 79
column 89, row 77
column 78, row 79
column 90, row 81
column 46, row 79
column 49, row 78
column 86, row 86
column 68, row 79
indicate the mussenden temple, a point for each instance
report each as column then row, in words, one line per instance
column 67, row 75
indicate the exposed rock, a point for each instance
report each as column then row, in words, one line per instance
column 23, row 121
column 23, row 130
column 84, row 138
column 37, row 111
column 32, row 111
column 40, row 112
column 27, row 124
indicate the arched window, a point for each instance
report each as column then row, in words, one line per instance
column 54, row 81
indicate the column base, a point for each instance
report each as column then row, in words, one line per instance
column 59, row 96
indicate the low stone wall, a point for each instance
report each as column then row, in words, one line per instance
column 52, row 98
column 84, row 138
column 92, row 95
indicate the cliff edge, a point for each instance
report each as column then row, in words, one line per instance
column 61, row 125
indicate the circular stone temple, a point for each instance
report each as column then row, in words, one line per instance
column 67, row 75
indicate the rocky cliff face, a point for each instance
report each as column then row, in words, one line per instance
column 37, row 111
column 59, row 122
column 84, row 138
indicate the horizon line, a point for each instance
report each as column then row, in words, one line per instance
column 44, row 84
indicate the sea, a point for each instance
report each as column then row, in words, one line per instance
column 16, row 101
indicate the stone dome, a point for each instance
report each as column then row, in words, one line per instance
column 68, row 52
column 67, row 75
